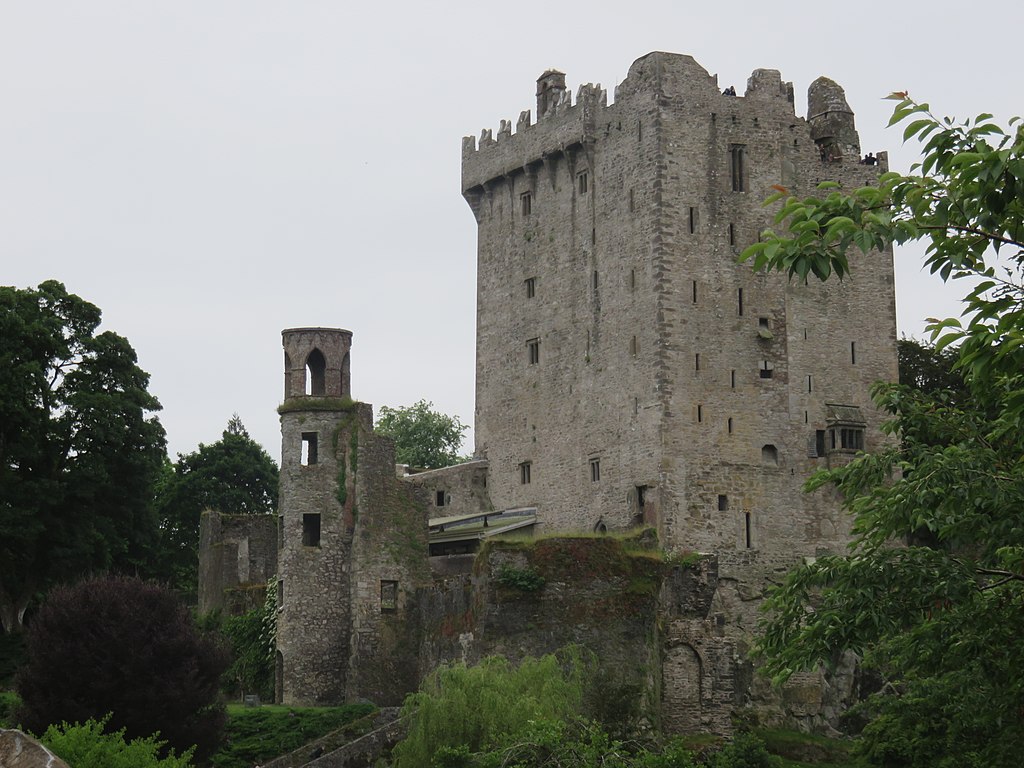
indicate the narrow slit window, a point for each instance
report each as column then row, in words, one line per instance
column 582, row 183
column 311, row 530
column 732, row 379
column 595, row 279
column 694, row 291
column 730, row 425
column 809, row 384
column 388, row 596
column 693, row 220
column 533, row 351
column 595, row 470
column 696, row 361
column 309, row 448
column 732, row 234
column 632, row 200
column 746, row 531
column 632, row 279
column 526, row 203
column 524, row 473
column 700, row 413
column 531, row 287
column 737, row 167
column 853, row 353
column 632, row 346
column 739, row 301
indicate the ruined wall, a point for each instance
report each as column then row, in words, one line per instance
column 237, row 555
column 456, row 490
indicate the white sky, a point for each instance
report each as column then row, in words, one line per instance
column 211, row 172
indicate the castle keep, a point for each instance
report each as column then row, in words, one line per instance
column 630, row 375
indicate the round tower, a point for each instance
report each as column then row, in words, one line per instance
column 315, row 521
column 831, row 121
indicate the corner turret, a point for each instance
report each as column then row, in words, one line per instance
column 831, row 121
column 550, row 92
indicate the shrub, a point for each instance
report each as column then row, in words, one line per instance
column 479, row 707
column 122, row 646
column 87, row 746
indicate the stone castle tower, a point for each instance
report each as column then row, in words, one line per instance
column 628, row 368
column 350, row 550
column 629, row 372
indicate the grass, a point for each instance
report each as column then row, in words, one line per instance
column 9, row 701
column 803, row 750
column 255, row 735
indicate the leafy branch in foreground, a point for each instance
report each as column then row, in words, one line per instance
column 932, row 593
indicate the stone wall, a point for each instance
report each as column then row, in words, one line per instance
column 237, row 556
column 457, row 490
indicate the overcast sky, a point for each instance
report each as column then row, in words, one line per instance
column 209, row 173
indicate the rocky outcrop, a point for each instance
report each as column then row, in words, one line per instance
column 20, row 751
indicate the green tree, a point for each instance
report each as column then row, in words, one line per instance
column 233, row 475
column 942, row 617
column 79, row 448
column 130, row 648
column 423, row 437
column 926, row 368
column 86, row 745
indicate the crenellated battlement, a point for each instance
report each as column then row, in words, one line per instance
column 560, row 125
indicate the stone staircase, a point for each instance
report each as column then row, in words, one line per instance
column 335, row 751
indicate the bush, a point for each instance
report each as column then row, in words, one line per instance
column 479, row 707
column 122, row 646
column 87, row 746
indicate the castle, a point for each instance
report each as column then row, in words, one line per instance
column 630, row 375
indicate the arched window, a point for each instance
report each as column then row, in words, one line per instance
column 770, row 455
column 316, row 368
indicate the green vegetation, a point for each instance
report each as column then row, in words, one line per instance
column 255, row 735
column 88, row 746
column 522, row 579
column 253, row 637
column 476, row 708
column 941, row 619
column 81, row 449
column 423, row 437
column 122, row 646
column 293, row 404
column 9, row 704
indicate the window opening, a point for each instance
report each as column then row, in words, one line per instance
column 632, row 279
column 280, row 531
column 696, row 361
column 526, row 203
column 770, row 455
column 388, row 596
column 694, row 291
column 641, row 496
column 633, row 346
column 582, row 182
column 316, row 374
column 632, row 202
column 730, row 425
column 533, row 350
column 723, row 503
column 808, row 383
column 746, row 530
column 853, row 353
column 595, row 470
column 732, row 234
column 311, row 530
column 524, row 473
column 819, row 442
column 732, row 379
column 693, row 219
column 595, row 279
column 531, row 287
column 309, row 449
column 762, row 322
column 737, row 166
column 767, row 370
column 439, row 498
column 739, row 302
column 700, row 413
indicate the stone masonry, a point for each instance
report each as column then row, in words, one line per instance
column 630, row 374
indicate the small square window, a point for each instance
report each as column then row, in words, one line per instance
column 595, row 470
column 766, row 370
column 526, row 203
column 524, row 473
column 531, row 287
column 388, row 596
column 723, row 503
column 533, row 351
